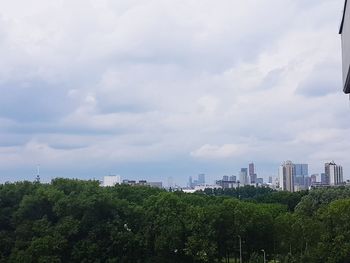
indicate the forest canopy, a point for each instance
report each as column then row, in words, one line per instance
column 79, row 221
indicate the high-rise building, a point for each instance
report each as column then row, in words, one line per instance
column 111, row 180
column 252, row 173
column 190, row 182
column 324, row 179
column 201, row 179
column 270, row 179
column 301, row 172
column 244, row 179
column 301, row 169
column 253, row 178
column 251, row 169
column 345, row 41
column 286, row 174
column 334, row 173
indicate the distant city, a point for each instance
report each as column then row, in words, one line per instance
column 292, row 177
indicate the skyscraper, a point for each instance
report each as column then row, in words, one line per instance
column 252, row 173
column 201, row 179
column 286, row 174
column 301, row 169
column 243, row 177
column 251, row 168
column 334, row 173
column 253, row 178
column 244, row 170
column 190, row 182
column 301, row 173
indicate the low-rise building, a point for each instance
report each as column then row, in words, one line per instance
column 111, row 180
column 227, row 182
column 143, row 183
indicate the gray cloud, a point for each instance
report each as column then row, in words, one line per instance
column 175, row 87
column 33, row 100
column 272, row 78
column 324, row 79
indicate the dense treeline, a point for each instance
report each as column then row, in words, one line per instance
column 260, row 195
column 78, row 221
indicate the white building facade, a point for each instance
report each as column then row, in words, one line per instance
column 286, row 175
column 334, row 173
column 111, row 180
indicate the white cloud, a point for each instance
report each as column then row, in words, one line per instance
column 136, row 81
column 208, row 151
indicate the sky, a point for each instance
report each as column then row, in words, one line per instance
column 154, row 89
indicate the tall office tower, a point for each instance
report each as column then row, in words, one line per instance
column 270, row 179
column 244, row 170
column 225, row 178
column 253, row 178
column 252, row 173
column 190, row 182
column 334, row 173
column 345, row 42
column 301, row 172
column 251, row 169
column 243, row 177
column 111, row 180
column 201, row 179
column 323, row 179
column 286, row 174
column 37, row 178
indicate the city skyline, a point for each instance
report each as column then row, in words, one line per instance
column 210, row 179
column 175, row 131
column 98, row 90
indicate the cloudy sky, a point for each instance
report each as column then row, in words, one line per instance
column 158, row 88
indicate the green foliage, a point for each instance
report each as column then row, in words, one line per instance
column 243, row 193
column 260, row 195
column 79, row 221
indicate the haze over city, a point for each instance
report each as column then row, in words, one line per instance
column 153, row 89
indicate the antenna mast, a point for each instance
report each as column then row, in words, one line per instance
column 37, row 179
